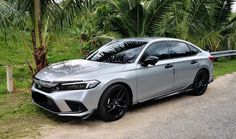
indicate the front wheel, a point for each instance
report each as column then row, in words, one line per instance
column 114, row 103
column 200, row 83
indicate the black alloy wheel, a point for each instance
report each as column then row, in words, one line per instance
column 114, row 103
column 200, row 82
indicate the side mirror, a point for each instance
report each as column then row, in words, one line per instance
column 150, row 60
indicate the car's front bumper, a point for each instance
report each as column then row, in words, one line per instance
column 82, row 114
column 80, row 103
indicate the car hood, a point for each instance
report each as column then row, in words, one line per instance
column 75, row 70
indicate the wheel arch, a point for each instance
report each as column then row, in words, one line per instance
column 123, row 84
column 129, row 90
column 196, row 90
column 204, row 68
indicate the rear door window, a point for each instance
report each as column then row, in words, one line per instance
column 179, row 49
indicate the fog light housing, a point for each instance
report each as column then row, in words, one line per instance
column 76, row 106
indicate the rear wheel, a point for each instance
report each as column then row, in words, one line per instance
column 114, row 103
column 200, row 83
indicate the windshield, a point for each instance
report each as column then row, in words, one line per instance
column 118, row 52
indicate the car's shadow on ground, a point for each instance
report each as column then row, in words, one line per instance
column 133, row 110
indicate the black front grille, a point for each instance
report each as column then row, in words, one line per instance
column 44, row 101
column 45, row 89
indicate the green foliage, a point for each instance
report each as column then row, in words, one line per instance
column 205, row 23
column 61, row 47
column 139, row 18
column 11, row 45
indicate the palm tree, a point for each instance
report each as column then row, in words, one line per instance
column 44, row 15
column 220, row 25
column 204, row 22
column 231, row 38
column 139, row 17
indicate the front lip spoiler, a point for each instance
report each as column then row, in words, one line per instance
column 82, row 115
column 211, row 80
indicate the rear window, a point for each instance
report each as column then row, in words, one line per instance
column 193, row 49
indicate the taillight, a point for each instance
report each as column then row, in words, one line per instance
column 211, row 58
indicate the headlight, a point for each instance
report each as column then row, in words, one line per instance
column 79, row 85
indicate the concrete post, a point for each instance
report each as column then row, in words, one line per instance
column 9, row 78
column 228, row 43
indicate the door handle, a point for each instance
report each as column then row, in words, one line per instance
column 193, row 61
column 169, row 66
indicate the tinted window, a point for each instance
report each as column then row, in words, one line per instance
column 193, row 49
column 179, row 49
column 118, row 52
column 158, row 49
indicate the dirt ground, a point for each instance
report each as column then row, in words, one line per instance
column 212, row 115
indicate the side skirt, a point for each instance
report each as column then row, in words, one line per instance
column 172, row 93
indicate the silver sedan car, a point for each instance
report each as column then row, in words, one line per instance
column 120, row 74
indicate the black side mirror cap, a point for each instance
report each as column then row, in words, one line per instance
column 150, row 60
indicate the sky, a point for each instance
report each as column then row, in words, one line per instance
column 234, row 7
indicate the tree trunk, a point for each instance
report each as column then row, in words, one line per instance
column 40, row 58
column 39, row 48
column 39, row 54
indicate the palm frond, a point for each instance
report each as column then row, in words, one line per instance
column 198, row 17
column 134, row 19
column 129, row 20
column 9, row 13
column 222, row 12
column 70, row 9
column 118, row 25
column 123, row 5
column 154, row 15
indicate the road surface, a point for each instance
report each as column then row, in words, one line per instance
column 210, row 116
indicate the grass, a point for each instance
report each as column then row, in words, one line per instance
column 19, row 118
column 224, row 66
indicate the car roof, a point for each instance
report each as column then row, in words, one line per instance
column 148, row 39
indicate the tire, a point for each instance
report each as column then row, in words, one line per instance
column 114, row 103
column 200, row 83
